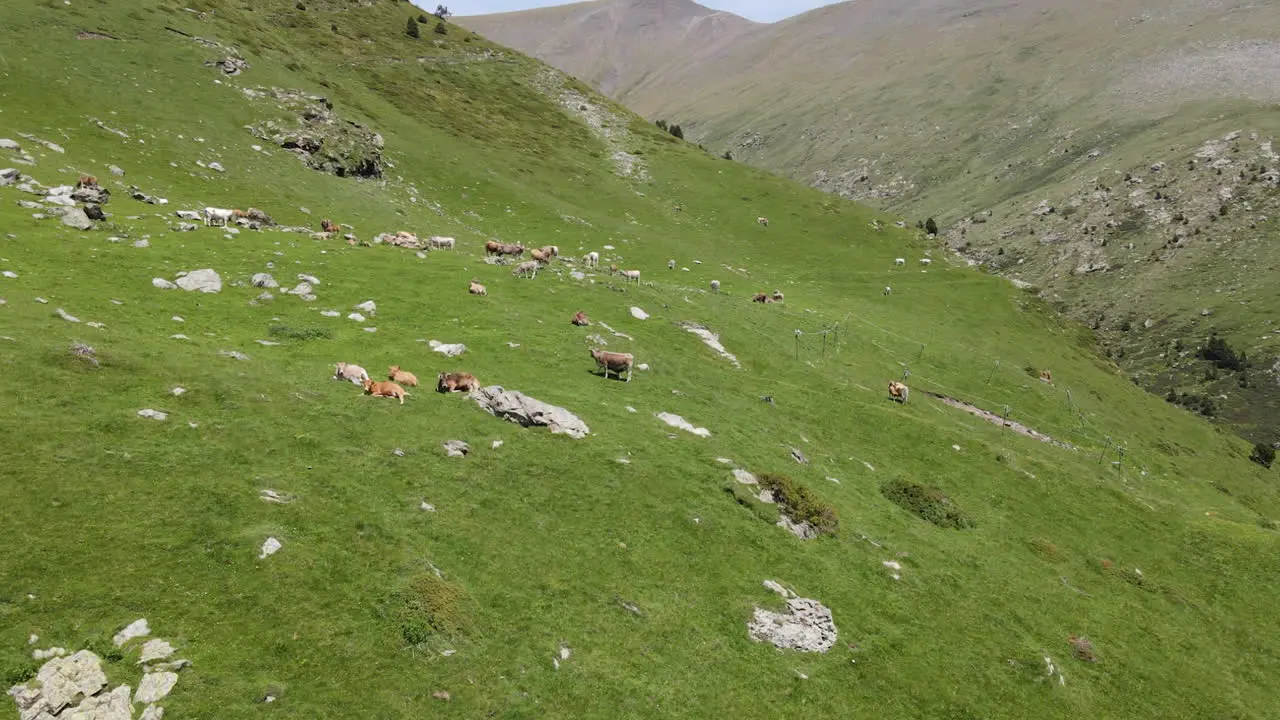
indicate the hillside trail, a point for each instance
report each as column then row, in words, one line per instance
column 604, row 123
column 998, row 420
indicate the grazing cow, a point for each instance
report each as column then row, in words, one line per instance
column 492, row 247
column 351, row 373
column 508, row 249
column 87, row 181
column 764, row 221
column 898, row 391
column 549, row 251
column 528, row 268
column 671, row 264
column 1046, row 376
column 614, row 362
column 631, row 275
column 329, row 226
column 217, row 216
column 613, row 269
column 715, row 286
column 899, row 261
column 476, row 288
column 456, row 382
column 384, row 389
column 441, row 243
column 580, row 319
column 540, row 256
column 403, row 377
column 925, row 261
column 592, row 259
column 762, row 298
column 777, row 296
column 888, row 290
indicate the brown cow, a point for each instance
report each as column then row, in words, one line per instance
column 898, row 391
column 384, row 389
column 456, row 382
column 1046, row 376
column 614, row 362
column 87, row 181
column 541, row 256
column 492, row 247
column 329, row 226
column 402, row 376
column 476, row 288
column 580, row 319
column 762, row 298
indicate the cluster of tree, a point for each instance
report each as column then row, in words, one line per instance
column 1217, row 351
column 441, row 14
column 673, row 128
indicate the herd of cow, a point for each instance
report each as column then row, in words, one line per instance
column 393, row 386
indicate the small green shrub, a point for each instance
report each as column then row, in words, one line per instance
column 432, row 606
column 103, row 647
column 309, row 333
column 441, row 29
column 928, row 503
column 1263, row 454
column 19, row 672
column 411, row 28
column 800, row 504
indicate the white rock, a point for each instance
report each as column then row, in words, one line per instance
column 269, row 547
column 273, row 496
column 371, row 329
column 66, row 315
column 497, row 444
column 155, row 649
column 107, row 706
column 311, row 279
column 152, row 712
column 368, row 306
column 63, row 679
column 10, row 274
column 356, row 317
column 163, row 284
column 205, row 280
column 807, row 627
column 678, row 422
column 7, row 144
column 449, row 350
column 52, row 652
column 778, row 588
column 152, row 414
column 264, row 280
column 179, row 336
column 178, row 391
column 456, row 448
column 427, row 507
column 330, row 313
column 643, row 367
column 137, row 628
column 891, row 564
column 744, row 477
column 639, row 314
column 155, row 686
column 217, row 166
column 32, row 639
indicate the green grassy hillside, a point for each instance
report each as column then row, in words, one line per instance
column 609, row 576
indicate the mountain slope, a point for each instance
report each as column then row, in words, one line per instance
column 976, row 111
column 608, row 576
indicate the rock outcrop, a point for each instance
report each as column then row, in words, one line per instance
column 807, row 626
column 529, row 412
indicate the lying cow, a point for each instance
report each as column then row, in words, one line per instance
column 456, row 382
column 403, row 377
column 351, row 373
column 1046, row 376
column 476, row 288
column 327, row 225
column 384, row 389
column 898, row 391
column 762, row 298
column 580, row 319
column 614, row 362
column 764, row 221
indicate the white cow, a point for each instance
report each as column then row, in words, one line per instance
column 888, row 290
column 631, row 275
column 592, row 259
column 715, row 286
column 925, row 261
column 899, row 261
column 217, row 216
column 352, row 373
column 441, row 243
column 671, row 264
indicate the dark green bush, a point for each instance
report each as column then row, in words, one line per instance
column 309, row 333
column 1263, row 454
column 800, row 504
column 928, row 503
column 432, row 606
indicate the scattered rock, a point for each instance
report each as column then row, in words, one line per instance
column 778, row 588
column 204, row 280
column 9, row 176
column 156, row 649
column 496, row 444
column 441, row 695
column 678, row 422
column 712, row 341
column 426, row 507
column 114, row 170
column 7, row 144
column 270, row 547
column 143, row 243
column 107, row 706
column 449, row 350
column 62, row 680
column 639, row 314
column 807, row 626
column 66, row 316
column 744, row 477
column 526, row 411
column 264, row 280
column 802, row 529
column 152, row 414
column 52, row 652
column 163, row 284
column 76, row 218
column 368, row 306
column 456, row 448
column 356, row 317
column 152, row 712
column 799, row 456
column 330, row 313
column 155, row 686
column 273, row 496
column 216, row 166
column 137, row 628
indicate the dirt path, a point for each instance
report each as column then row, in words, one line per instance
column 993, row 418
column 607, row 126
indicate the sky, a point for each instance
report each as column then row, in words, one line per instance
column 758, row 10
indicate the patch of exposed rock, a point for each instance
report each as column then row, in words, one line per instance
column 807, row 626
column 712, row 341
column 319, row 137
column 523, row 410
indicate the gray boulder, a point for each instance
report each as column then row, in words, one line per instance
column 8, row 176
column 205, row 280
column 7, row 144
column 807, row 626
column 76, row 218
column 528, row 412
column 91, row 194
column 264, row 280
column 155, row 686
